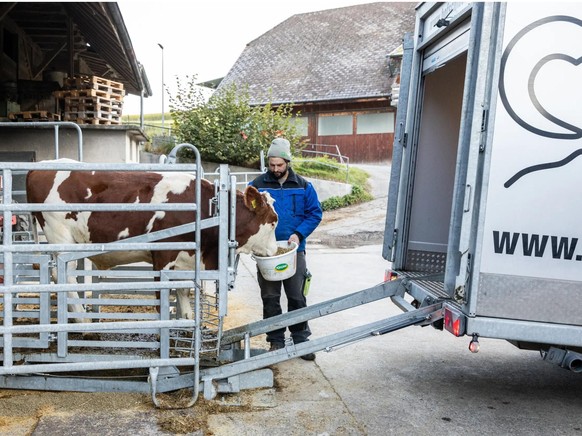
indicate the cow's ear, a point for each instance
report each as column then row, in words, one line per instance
column 253, row 198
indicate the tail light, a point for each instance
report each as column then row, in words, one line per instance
column 454, row 321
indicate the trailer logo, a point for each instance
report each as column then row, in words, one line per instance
column 542, row 114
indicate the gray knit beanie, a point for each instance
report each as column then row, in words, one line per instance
column 280, row 147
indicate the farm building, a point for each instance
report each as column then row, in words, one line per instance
column 337, row 67
column 67, row 61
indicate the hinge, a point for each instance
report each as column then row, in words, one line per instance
column 484, row 121
column 394, row 239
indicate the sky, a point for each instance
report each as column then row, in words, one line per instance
column 200, row 38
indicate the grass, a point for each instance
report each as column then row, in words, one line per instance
column 328, row 169
column 148, row 118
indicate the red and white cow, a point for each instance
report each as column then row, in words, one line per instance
column 256, row 218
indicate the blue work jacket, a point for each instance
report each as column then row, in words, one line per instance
column 296, row 203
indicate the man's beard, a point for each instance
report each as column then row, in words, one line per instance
column 278, row 175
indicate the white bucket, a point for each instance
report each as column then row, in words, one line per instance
column 279, row 267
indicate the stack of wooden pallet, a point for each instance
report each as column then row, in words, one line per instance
column 91, row 100
column 33, row 116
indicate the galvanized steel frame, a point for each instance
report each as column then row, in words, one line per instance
column 64, row 361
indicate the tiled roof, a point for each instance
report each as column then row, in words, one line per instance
column 328, row 55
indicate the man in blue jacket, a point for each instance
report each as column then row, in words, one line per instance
column 300, row 213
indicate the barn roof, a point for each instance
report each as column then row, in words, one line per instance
column 99, row 38
column 335, row 54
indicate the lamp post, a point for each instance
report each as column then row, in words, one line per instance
column 162, row 47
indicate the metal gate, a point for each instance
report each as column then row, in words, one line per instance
column 124, row 343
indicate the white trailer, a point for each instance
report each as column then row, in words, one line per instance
column 483, row 210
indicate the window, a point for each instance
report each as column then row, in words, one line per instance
column 335, row 125
column 375, row 123
column 301, row 124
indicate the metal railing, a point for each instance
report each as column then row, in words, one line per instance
column 331, row 151
column 56, row 125
column 143, row 336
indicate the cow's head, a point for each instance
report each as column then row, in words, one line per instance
column 256, row 221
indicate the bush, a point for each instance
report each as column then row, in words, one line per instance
column 226, row 128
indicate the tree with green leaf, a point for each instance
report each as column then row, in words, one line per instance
column 226, row 128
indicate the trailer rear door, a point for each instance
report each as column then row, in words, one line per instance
column 391, row 233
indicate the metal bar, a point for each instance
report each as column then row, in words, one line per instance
column 95, row 249
column 8, row 267
column 526, row 331
column 97, row 207
column 378, row 292
column 199, row 287
column 107, row 315
column 97, row 327
column 57, row 142
column 62, row 318
column 198, row 284
column 115, row 301
column 232, row 255
column 75, row 384
column 116, row 344
column 95, row 366
column 60, row 288
column 84, row 166
column 151, row 237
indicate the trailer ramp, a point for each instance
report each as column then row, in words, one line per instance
column 227, row 377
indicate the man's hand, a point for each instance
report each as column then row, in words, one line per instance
column 293, row 238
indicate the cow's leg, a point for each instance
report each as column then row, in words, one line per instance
column 177, row 261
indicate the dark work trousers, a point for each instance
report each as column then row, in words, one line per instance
column 271, row 296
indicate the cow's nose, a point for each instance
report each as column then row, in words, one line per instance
column 271, row 251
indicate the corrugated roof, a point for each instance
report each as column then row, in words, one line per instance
column 99, row 38
column 328, row 55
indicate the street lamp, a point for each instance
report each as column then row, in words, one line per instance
column 162, row 47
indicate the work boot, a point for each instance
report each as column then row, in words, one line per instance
column 276, row 346
column 308, row 356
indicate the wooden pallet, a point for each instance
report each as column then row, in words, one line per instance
column 80, row 82
column 86, row 101
column 97, row 83
column 28, row 116
column 87, row 93
column 84, row 107
column 97, row 115
column 108, row 89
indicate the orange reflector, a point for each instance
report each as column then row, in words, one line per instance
column 474, row 344
column 390, row 275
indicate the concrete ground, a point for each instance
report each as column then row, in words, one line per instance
column 416, row 381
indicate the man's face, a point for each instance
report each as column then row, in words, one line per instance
column 278, row 167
